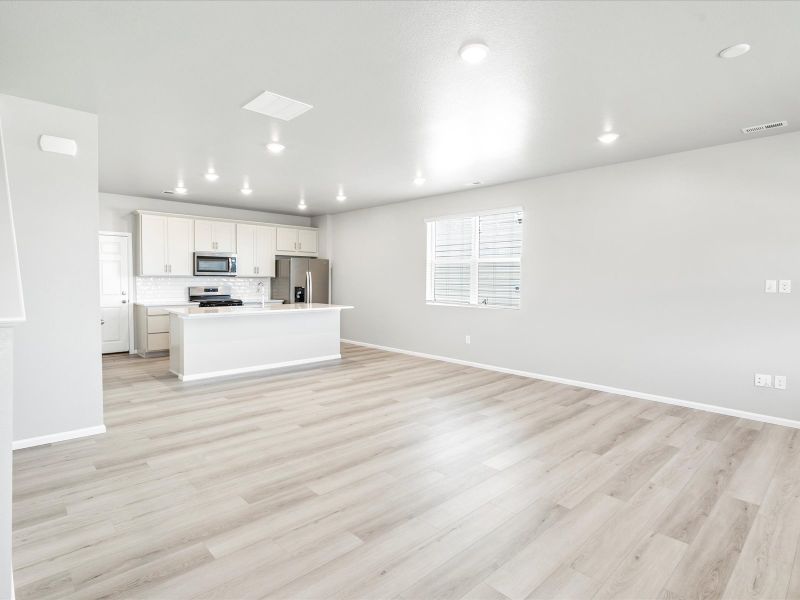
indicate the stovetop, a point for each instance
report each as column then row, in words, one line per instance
column 227, row 302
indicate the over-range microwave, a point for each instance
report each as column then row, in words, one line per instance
column 219, row 264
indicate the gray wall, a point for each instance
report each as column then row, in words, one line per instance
column 646, row 276
column 116, row 212
column 57, row 373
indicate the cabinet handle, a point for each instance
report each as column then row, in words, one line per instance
column 165, row 268
column 256, row 270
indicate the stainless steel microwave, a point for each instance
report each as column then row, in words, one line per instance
column 220, row 264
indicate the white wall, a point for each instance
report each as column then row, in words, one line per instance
column 646, row 276
column 116, row 212
column 6, row 415
column 12, row 312
column 57, row 372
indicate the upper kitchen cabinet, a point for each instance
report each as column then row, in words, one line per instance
column 165, row 245
column 296, row 241
column 255, row 250
column 214, row 236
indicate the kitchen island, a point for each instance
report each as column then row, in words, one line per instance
column 229, row 340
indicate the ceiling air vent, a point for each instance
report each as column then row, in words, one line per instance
column 764, row 127
column 277, row 106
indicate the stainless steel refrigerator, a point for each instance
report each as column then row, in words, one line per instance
column 300, row 279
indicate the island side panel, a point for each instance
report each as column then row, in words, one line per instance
column 176, row 343
column 226, row 345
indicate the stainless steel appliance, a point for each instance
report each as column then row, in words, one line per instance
column 221, row 264
column 301, row 280
column 213, row 296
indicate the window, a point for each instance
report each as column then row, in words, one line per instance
column 475, row 259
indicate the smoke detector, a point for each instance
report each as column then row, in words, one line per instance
column 764, row 127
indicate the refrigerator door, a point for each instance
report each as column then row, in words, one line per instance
column 298, row 280
column 318, row 268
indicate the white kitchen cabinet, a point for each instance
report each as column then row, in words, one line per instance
column 214, row 236
column 255, row 250
column 307, row 240
column 152, row 245
column 180, row 241
column 286, row 239
column 165, row 245
column 293, row 241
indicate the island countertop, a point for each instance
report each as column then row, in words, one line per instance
column 195, row 312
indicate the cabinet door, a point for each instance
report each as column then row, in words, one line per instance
column 307, row 240
column 265, row 251
column 204, row 236
column 286, row 240
column 245, row 250
column 224, row 236
column 180, row 244
column 152, row 245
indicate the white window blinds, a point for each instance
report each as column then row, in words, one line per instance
column 475, row 259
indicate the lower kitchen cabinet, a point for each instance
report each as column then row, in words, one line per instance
column 151, row 330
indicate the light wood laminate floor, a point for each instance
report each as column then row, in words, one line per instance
column 390, row 476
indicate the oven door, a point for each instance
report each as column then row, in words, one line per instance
column 220, row 264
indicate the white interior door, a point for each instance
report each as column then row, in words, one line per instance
column 114, row 293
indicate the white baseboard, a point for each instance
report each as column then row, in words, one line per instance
column 256, row 368
column 58, row 437
column 595, row 386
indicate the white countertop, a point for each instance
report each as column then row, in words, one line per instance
column 193, row 312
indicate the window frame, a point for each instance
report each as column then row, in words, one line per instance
column 473, row 261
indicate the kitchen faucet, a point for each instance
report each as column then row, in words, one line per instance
column 260, row 289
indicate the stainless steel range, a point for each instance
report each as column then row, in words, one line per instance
column 213, row 296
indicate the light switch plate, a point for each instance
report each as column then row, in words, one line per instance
column 771, row 286
column 785, row 286
column 780, row 382
column 468, row 340
column 762, row 380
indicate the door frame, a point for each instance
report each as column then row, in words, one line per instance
column 131, row 287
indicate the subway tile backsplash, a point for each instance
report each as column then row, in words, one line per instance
column 176, row 288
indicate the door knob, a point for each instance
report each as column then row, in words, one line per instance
column 102, row 321
column 124, row 301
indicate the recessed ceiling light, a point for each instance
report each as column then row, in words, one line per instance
column 608, row 138
column 474, row 53
column 735, row 50
column 180, row 190
column 302, row 205
column 211, row 175
column 341, row 197
column 419, row 180
column 246, row 189
column 276, row 147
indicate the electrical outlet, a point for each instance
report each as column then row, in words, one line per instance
column 785, row 286
column 780, row 382
column 467, row 340
column 771, row 286
column 762, row 380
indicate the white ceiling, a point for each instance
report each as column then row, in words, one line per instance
column 390, row 93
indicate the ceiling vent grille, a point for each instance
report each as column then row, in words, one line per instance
column 277, row 106
column 764, row 127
